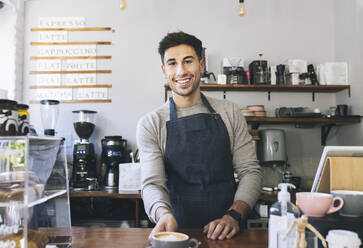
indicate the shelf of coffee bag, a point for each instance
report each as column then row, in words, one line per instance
column 269, row 88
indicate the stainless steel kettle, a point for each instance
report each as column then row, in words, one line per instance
column 271, row 147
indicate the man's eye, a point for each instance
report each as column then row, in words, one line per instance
column 188, row 61
column 171, row 63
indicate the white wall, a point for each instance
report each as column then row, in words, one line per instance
column 11, row 48
column 279, row 29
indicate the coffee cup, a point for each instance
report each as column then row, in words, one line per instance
column 173, row 240
column 316, row 204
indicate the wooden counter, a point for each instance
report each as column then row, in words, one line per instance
column 137, row 238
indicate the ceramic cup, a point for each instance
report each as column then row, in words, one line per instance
column 173, row 240
column 318, row 204
column 353, row 202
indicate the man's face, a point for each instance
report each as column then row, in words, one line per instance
column 182, row 69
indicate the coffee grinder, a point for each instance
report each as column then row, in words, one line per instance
column 84, row 161
column 114, row 152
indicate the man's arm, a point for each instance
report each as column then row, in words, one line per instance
column 153, row 181
column 249, row 174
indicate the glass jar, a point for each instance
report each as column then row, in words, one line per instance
column 8, row 118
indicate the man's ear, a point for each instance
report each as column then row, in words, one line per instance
column 163, row 70
column 202, row 65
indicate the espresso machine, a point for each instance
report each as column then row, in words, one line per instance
column 114, row 152
column 84, row 161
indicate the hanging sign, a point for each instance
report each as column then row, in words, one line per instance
column 67, row 50
column 79, row 65
column 61, row 22
column 79, row 79
column 90, row 93
column 57, row 94
column 48, row 79
column 53, row 36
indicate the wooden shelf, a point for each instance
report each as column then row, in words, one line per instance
column 70, row 86
column 269, row 88
column 74, row 57
column 70, row 43
column 72, row 29
column 77, row 101
column 307, row 120
column 325, row 122
column 71, row 72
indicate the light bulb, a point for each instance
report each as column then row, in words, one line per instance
column 123, row 4
column 241, row 8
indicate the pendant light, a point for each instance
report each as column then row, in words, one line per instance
column 123, row 4
column 241, row 8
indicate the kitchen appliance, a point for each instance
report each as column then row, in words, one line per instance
column 233, row 69
column 295, row 112
column 280, row 74
column 84, row 161
column 49, row 110
column 271, row 147
column 8, row 117
column 259, row 73
column 23, row 119
column 205, row 75
column 114, row 152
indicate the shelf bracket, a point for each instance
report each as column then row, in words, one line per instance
column 224, row 94
column 269, row 95
column 313, row 96
column 349, row 92
column 325, row 129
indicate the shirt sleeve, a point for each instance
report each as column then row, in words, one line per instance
column 153, row 181
column 245, row 162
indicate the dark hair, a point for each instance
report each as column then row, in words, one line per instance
column 179, row 38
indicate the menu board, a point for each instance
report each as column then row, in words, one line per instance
column 66, row 69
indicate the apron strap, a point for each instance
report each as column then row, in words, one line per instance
column 173, row 108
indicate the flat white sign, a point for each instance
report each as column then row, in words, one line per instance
column 90, row 93
column 48, row 79
column 49, row 65
column 67, row 50
column 79, row 79
column 52, row 36
column 57, row 94
column 79, row 65
column 62, row 22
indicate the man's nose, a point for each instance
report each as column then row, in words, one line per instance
column 180, row 70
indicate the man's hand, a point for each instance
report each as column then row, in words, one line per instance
column 224, row 228
column 166, row 223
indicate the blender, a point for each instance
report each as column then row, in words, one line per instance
column 84, row 161
column 49, row 110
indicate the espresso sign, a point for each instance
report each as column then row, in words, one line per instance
column 90, row 93
column 79, row 79
column 59, row 94
column 67, row 50
column 61, row 22
column 53, row 36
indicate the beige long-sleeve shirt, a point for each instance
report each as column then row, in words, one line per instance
column 151, row 142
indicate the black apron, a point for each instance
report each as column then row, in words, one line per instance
column 199, row 167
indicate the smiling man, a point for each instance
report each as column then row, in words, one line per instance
column 190, row 148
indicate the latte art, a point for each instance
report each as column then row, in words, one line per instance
column 170, row 237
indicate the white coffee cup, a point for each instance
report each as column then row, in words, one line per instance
column 173, row 240
column 343, row 239
column 222, row 79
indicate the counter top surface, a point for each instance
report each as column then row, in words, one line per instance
column 137, row 237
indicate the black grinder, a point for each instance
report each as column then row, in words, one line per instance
column 114, row 152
